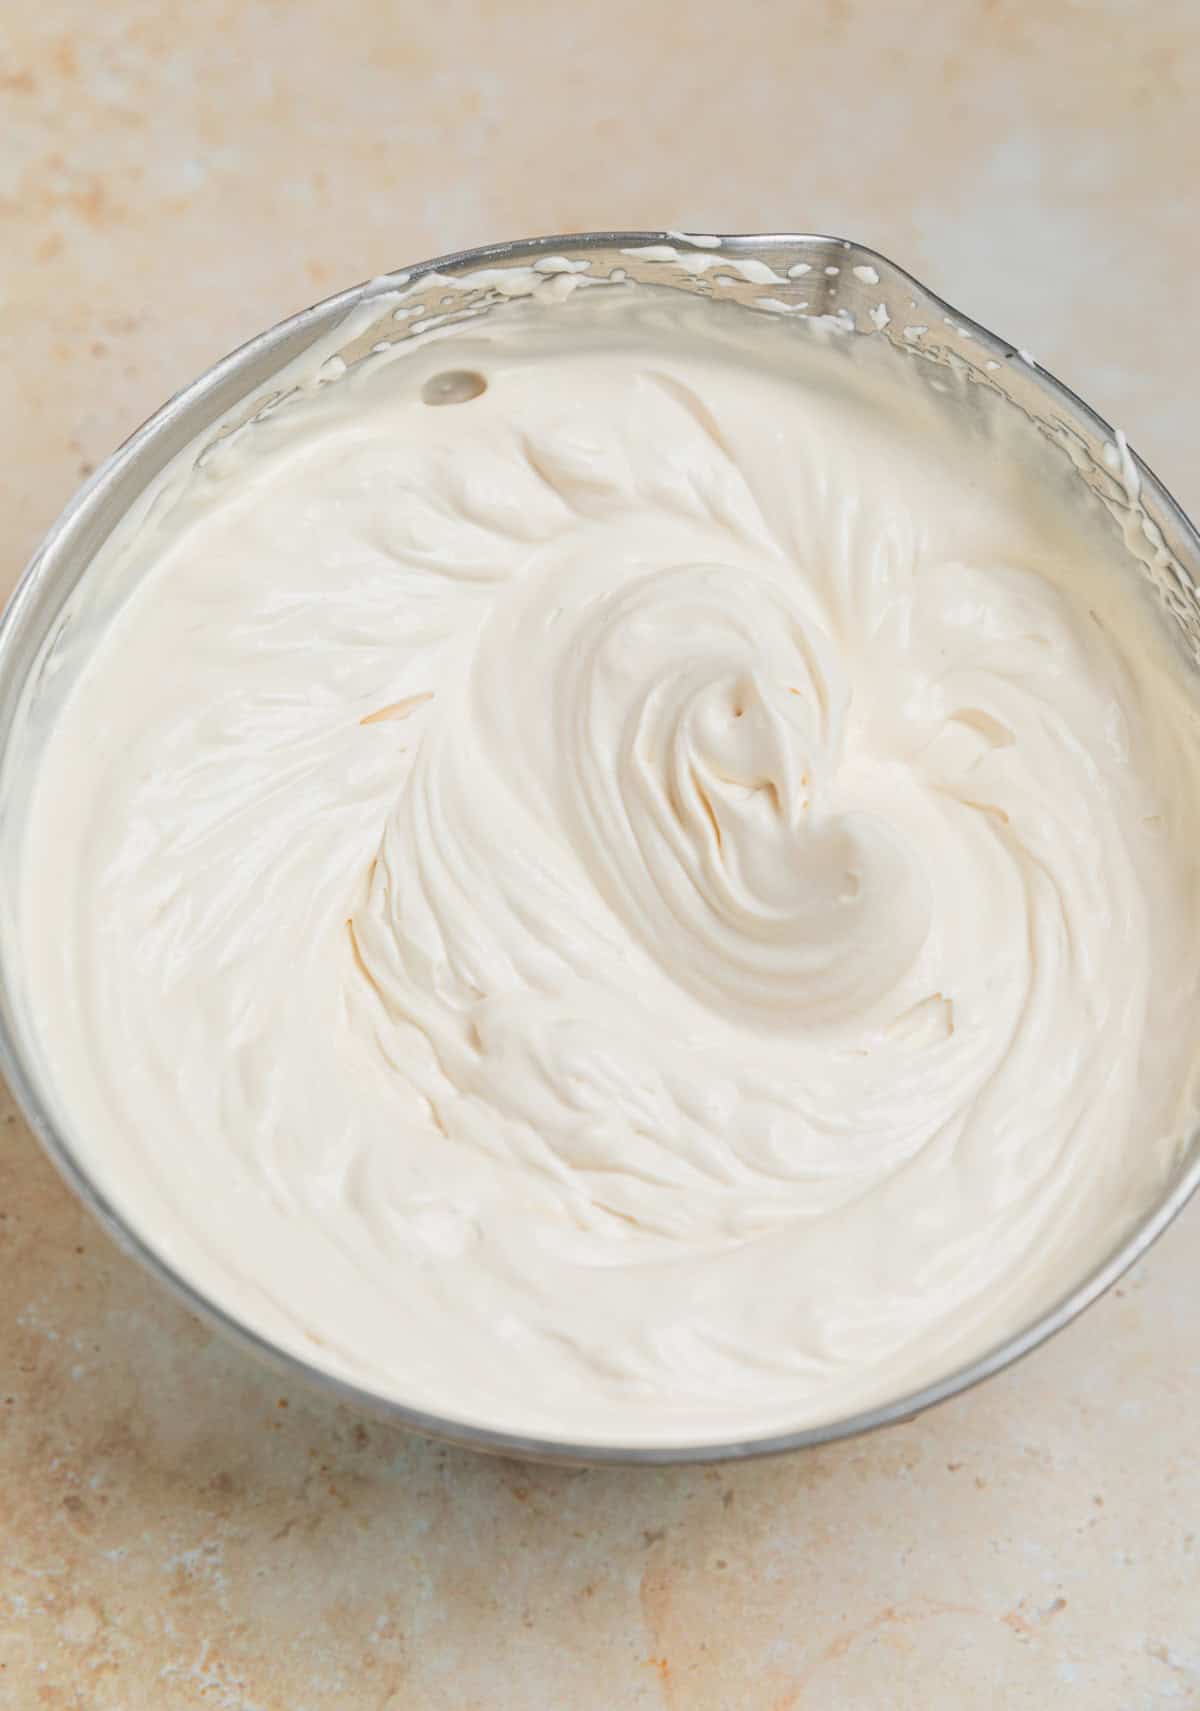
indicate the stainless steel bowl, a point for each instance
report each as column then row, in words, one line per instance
column 782, row 274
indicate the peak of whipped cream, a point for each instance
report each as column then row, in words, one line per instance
column 625, row 874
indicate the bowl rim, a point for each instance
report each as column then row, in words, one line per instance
column 55, row 552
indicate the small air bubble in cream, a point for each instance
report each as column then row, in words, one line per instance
column 453, row 386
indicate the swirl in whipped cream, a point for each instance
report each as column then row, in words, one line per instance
column 654, row 901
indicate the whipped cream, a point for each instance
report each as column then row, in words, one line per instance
column 626, row 872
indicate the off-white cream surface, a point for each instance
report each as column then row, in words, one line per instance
column 656, row 902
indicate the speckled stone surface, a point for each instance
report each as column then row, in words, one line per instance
column 176, row 1528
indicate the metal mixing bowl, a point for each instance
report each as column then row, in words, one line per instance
column 781, row 274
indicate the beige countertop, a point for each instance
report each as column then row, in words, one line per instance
column 178, row 1529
